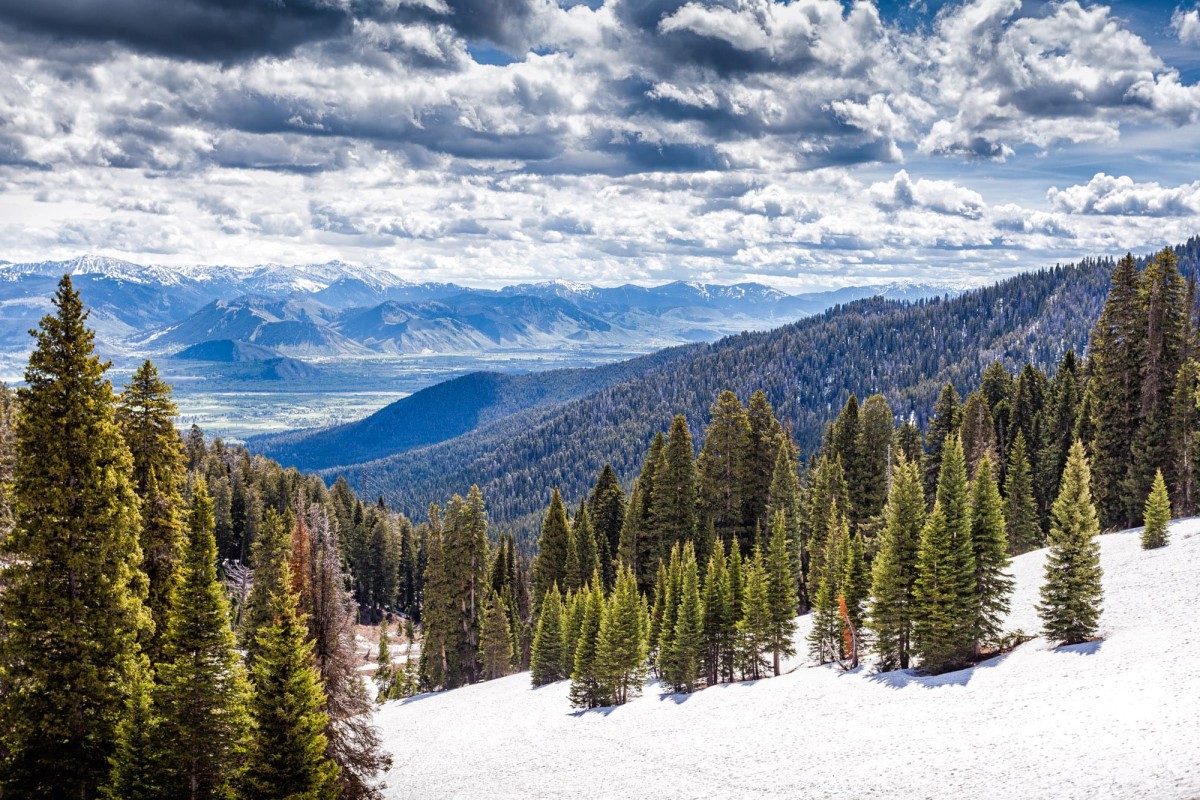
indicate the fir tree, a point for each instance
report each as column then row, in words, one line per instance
column 673, row 507
column 947, row 419
column 755, row 624
column 384, row 677
column 671, row 593
column 893, row 604
column 825, row 635
column 978, row 432
column 586, row 690
column 145, row 413
column 1072, row 592
column 717, row 624
column 936, row 640
column 781, row 593
column 683, row 655
column 1023, row 531
column 873, row 447
column 71, row 571
column 621, row 643
column 785, row 499
column 1185, row 440
column 200, row 694
column 584, row 538
column 734, row 594
column 606, row 509
column 495, row 640
column 627, row 546
column 546, row 664
column 575, row 607
column 766, row 434
column 1157, row 516
column 723, row 465
column 856, row 580
column 136, row 771
column 286, row 759
column 550, row 563
column 953, row 495
column 990, row 546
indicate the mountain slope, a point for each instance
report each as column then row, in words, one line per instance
column 807, row 369
column 1114, row 719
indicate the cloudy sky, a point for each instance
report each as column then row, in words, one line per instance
column 805, row 144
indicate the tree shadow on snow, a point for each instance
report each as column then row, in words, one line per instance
column 900, row 678
column 1086, row 648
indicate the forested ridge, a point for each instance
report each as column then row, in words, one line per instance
column 806, row 370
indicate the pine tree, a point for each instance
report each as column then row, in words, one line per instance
column 550, row 563
column 72, row 602
column 785, row 499
column 755, row 624
column 856, row 580
column 145, row 413
column 584, row 539
column 1072, row 592
column 135, row 768
column 673, row 507
column 978, row 432
column 954, row 496
column 781, row 593
column 1157, row 516
column 893, row 578
column 495, row 640
column 717, row 623
column 1023, row 531
column 734, row 594
column 1059, row 421
column 200, row 694
column 766, row 434
column 586, row 690
column 947, row 419
column 546, row 665
column 621, row 643
column 935, row 628
column 671, row 593
column 606, row 509
column 384, row 674
column 722, row 467
column 990, row 545
column 825, row 635
column 683, row 657
column 1116, row 348
column 874, row 449
column 286, row 759
column 1185, row 440
column 829, row 491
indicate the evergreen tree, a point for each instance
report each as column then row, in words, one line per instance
column 1059, row 422
column 72, row 602
column 723, row 465
column 286, row 759
column 766, row 434
column 734, row 594
column 1023, row 531
column 856, row 580
column 550, row 563
column 627, row 546
column 935, row 628
column 586, row 689
column 145, row 413
column 990, row 546
column 584, row 540
column 909, row 441
column 781, row 593
column 201, row 693
column 947, row 419
column 546, row 664
column 755, row 625
column 673, row 507
column 893, row 605
column 606, row 509
column 672, row 594
column 683, row 659
column 978, row 432
column 621, row 643
column 873, row 449
column 1157, row 516
column 829, row 491
column 785, row 499
column 1116, row 348
column 658, row 610
column 825, row 636
column 717, row 624
column 954, row 496
column 996, row 385
column 495, row 640
column 136, row 773
column 1072, row 592
column 1185, row 440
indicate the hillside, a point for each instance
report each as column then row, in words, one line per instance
column 807, row 369
column 1115, row 719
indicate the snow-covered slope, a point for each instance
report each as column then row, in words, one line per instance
column 1115, row 719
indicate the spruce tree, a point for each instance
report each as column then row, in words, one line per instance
column 717, row 622
column 136, row 773
column 978, row 432
column 1023, row 530
column 893, row 578
column 671, row 593
column 947, row 419
column 722, row 467
column 549, row 565
column 766, row 434
column 825, row 636
column 1185, row 440
column 200, row 694
column 953, row 495
column 583, row 535
column 989, row 541
column 781, row 593
column 145, row 413
column 755, row 624
column 1157, row 516
column 495, row 639
column 856, row 580
column 286, row 758
column 586, row 690
column 1072, row 593
column 606, row 509
column 575, row 607
column 658, row 610
column 874, row 450
column 72, row 602
column 785, row 499
column 673, row 508
column 734, row 594
column 935, row 640
column 627, row 545
column 546, row 662
column 683, row 658
column 621, row 643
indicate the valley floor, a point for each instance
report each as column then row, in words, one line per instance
column 1119, row 718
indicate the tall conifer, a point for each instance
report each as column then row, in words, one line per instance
column 1023, row 531
column 1157, row 515
column 993, row 585
column 893, row 604
column 546, row 665
column 781, row 593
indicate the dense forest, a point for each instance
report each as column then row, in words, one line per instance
column 177, row 616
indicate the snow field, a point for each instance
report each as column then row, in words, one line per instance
column 1119, row 718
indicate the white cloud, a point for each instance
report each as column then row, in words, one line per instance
column 1186, row 25
column 943, row 197
column 1121, row 196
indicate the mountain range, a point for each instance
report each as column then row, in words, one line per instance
column 339, row 310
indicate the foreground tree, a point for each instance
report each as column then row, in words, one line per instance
column 993, row 585
column 200, row 696
column 621, row 644
column 495, row 640
column 73, row 586
column 1072, row 592
column 1158, row 514
column 894, row 573
column 546, row 662
column 781, row 593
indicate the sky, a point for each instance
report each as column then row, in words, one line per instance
column 807, row 144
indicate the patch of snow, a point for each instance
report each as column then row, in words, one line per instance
column 1116, row 718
